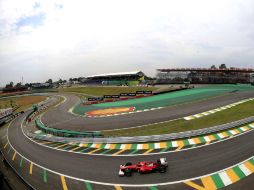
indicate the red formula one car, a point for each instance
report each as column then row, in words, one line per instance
column 143, row 167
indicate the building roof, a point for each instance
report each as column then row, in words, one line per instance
column 115, row 74
column 245, row 70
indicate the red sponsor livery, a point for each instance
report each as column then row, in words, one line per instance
column 143, row 167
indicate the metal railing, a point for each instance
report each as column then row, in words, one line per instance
column 152, row 138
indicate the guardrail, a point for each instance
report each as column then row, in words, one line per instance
column 152, row 138
column 54, row 131
column 65, row 133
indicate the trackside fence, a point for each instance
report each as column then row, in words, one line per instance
column 65, row 133
column 152, row 138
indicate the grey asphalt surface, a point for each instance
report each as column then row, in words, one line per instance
column 182, row 165
column 59, row 117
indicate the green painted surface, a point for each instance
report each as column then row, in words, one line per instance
column 164, row 150
column 252, row 161
column 118, row 146
column 103, row 145
column 106, row 151
column 239, row 172
column 228, row 133
column 83, row 150
column 186, row 142
column 21, row 162
column 134, row 146
column 217, row 180
column 133, row 152
column 216, row 136
column 202, row 140
column 151, row 145
column 45, row 176
column 169, row 144
column 167, row 99
column 153, row 188
column 240, row 130
column 88, row 186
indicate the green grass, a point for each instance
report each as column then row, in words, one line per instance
column 22, row 102
column 100, row 91
column 232, row 114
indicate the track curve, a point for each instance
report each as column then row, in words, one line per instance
column 66, row 120
column 203, row 160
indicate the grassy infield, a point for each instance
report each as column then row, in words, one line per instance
column 84, row 92
column 238, row 112
column 23, row 102
column 232, row 114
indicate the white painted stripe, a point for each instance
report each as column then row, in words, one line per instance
column 81, row 144
column 251, row 125
column 242, row 128
column 206, row 113
column 174, row 144
column 157, row 145
column 188, row 118
column 244, row 169
column 138, row 111
column 221, row 135
column 211, row 111
column 191, row 141
column 123, row 146
column 107, row 146
column 225, row 179
column 146, row 110
column 232, row 132
column 93, row 145
column 198, row 115
column 140, row 146
column 130, row 185
column 207, row 139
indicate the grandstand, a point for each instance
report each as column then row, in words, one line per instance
column 205, row 75
column 119, row 79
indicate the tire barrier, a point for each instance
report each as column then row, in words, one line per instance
column 65, row 133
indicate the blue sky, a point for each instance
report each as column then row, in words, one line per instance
column 41, row 39
column 33, row 21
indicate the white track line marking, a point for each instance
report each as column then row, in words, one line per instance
column 127, row 185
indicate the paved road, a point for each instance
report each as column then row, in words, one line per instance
column 182, row 165
column 59, row 117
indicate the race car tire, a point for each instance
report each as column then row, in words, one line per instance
column 128, row 173
column 128, row 164
column 162, row 169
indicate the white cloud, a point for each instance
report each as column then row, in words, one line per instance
column 84, row 37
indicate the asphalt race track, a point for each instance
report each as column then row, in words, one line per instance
column 203, row 160
column 61, row 118
column 182, row 165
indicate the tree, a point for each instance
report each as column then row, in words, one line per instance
column 10, row 85
column 223, row 66
column 213, row 67
column 50, row 81
column 60, row 81
column 18, row 84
